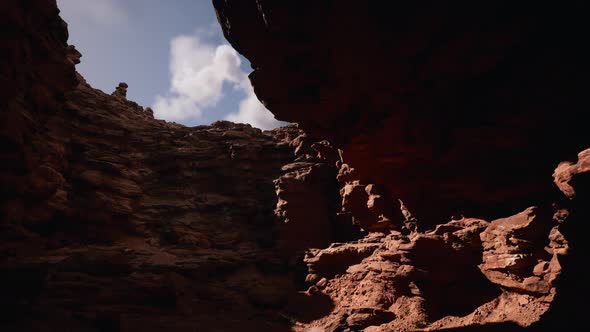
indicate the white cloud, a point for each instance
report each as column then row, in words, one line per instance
column 251, row 111
column 106, row 13
column 176, row 109
column 198, row 73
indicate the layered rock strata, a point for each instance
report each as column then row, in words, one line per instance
column 440, row 111
column 126, row 223
column 111, row 220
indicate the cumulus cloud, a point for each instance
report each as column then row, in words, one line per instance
column 176, row 108
column 251, row 111
column 100, row 12
column 199, row 71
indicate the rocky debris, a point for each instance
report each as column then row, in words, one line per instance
column 431, row 281
column 465, row 273
column 371, row 208
column 121, row 91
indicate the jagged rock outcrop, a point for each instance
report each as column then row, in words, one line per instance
column 129, row 223
column 454, row 108
column 518, row 254
column 567, row 170
column 440, row 111
column 308, row 202
column 121, row 90
column 431, row 281
column 111, row 220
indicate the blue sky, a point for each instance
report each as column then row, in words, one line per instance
column 171, row 53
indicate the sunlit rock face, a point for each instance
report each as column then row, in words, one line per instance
column 458, row 108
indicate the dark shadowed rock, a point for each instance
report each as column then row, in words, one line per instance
column 111, row 220
column 444, row 106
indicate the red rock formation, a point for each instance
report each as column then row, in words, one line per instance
column 440, row 110
column 515, row 255
column 129, row 223
column 308, row 203
column 35, row 71
column 111, row 220
column 454, row 108
column 430, row 281
column 566, row 171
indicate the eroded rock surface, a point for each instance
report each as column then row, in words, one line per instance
column 440, row 111
column 111, row 220
column 431, row 281
column 445, row 106
column 130, row 223
column 515, row 253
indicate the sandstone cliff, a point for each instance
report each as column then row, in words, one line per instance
column 114, row 221
column 419, row 196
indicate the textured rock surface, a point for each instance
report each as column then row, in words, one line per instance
column 121, row 90
column 126, row 222
column 567, row 170
column 446, row 106
column 111, row 220
column 36, row 68
column 308, row 201
column 440, row 111
column 133, row 223
column 431, row 281
column 515, row 255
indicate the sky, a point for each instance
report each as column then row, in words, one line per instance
column 171, row 53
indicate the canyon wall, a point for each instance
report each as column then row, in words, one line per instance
column 459, row 108
column 111, row 220
column 415, row 193
column 443, row 111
